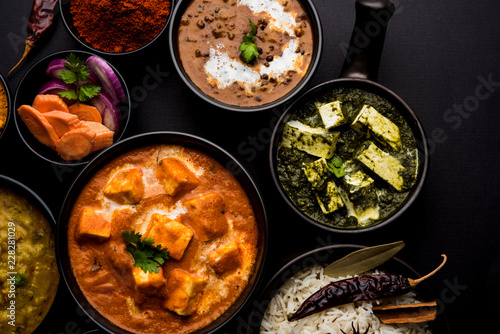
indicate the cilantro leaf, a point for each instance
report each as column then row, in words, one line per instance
column 77, row 73
column 248, row 51
column 132, row 237
column 336, row 166
column 254, row 28
column 248, row 48
column 147, row 256
column 20, row 280
column 68, row 94
column 68, row 76
column 88, row 91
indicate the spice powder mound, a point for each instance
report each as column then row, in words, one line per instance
column 4, row 107
column 119, row 25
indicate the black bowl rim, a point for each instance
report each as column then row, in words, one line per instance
column 106, row 53
column 314, row 17
column 123, row 125
column 30, row 195
column 423, row 168
column 9, row 104
column 298, row 263
column 138, row 141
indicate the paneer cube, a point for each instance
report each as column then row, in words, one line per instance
column 92, row 225
column 365, row 209
column 356, row 182
column 148, row 283
column 207, row 217
column 331, row 114
column 317, row 173
column 315, row 141
column 382, row 128
column 183, row 291
column 329, row 199
column 126, row 187
column 175, row 176
column 170, row 234
column 225, row 259
column 384, row 165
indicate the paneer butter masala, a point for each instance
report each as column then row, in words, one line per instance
column 186, row 202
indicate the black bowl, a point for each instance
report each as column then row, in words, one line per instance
column 174, row 52
column 25, row 192
column 326, row 255
column 9, row 105
column 360, row 71
column 27, row 90
column 190, row 141
column 68, row 23
column 404, row 110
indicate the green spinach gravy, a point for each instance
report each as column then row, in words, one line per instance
column 360, row 206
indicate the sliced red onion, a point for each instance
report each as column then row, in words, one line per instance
column 55, row 67
column 108, row 110
column 109, row 80
column 55, row 87
column 93, row 79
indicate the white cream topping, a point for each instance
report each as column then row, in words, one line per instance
column 280, row 20
column 224, row 71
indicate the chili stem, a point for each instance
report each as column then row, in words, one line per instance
column 415, row 282
column 27, row 49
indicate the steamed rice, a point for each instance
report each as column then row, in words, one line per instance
column 298, row 288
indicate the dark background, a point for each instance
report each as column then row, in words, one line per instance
column 436, row 53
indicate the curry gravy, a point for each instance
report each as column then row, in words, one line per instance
column 27, row 248
column 209, row 36
column 104, row 268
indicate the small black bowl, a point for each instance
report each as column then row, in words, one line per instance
column 22, row 190
column 189, row 141
column 68, row 23
column 174, row 52
column 28, row 88
column 324, row 256
column 9, row 105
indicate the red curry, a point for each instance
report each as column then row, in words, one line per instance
column 192, row 205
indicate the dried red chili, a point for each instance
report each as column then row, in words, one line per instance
column 41, row 18
column 119, row 25
column 368, row 287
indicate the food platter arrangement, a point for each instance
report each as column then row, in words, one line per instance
column 167, row 232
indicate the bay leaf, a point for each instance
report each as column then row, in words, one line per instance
column 363, row 260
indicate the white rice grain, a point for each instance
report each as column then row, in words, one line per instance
column 298, row 288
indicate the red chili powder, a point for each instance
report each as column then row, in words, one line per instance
column 118, row 25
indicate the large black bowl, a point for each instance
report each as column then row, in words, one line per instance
column 68, row 23
column 359, row 72
column 326, row 255
column 174, row 52
column 28, row 88
column 189, row 141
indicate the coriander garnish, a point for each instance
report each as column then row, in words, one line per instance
column 146, row 256
column 248, row 48
column 336, row 166
column 75, row 73
column 20, row 280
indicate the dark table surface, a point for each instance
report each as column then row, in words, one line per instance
column 437, row 57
